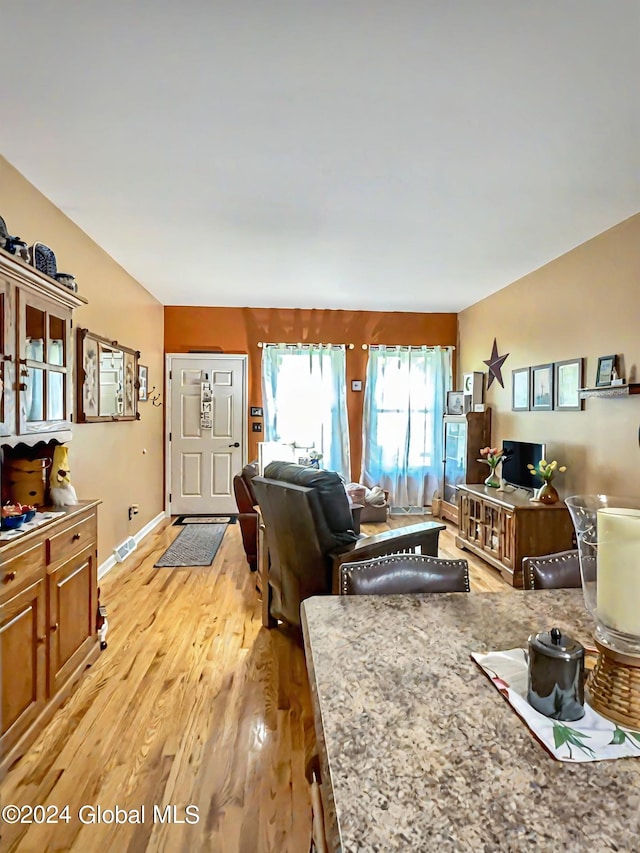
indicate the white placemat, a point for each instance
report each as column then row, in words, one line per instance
column 38, row 520
column 593, row 738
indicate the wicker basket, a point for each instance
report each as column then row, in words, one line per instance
column 614, row 687
column 27, row 480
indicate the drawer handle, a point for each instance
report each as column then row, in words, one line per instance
column 76, row 536
column 42, row 640
column 10, row 576
column 55, row 627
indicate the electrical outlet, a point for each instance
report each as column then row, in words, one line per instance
column 256, row 427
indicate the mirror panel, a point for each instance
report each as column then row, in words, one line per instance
column 111, row 381
column 56, row 340
column 55, row 396
column 34, row 394
column 35, row 333
column 107, row 379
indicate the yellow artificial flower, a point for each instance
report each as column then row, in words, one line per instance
column 546, row 470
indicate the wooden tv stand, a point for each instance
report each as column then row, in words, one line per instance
column 503, row 527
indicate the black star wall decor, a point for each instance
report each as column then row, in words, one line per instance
column 495, row 365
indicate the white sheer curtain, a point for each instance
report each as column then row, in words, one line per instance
column 305, row 400
column 402, row 422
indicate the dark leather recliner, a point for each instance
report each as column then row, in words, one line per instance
column 247, row 516
column 309, row 533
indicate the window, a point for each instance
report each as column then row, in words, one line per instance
column 402, row 435
column 304, row 395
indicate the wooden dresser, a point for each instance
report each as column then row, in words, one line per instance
column 503, row 527
column 48, row 609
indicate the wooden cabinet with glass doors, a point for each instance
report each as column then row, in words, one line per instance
column 36, row 395
column 464, row 436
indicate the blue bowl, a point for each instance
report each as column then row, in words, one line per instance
column 29, row 515
column 11, row 522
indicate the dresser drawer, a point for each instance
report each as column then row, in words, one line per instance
column 78, row 536
column 20, row 570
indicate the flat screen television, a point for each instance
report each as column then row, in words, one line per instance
column 514, row 467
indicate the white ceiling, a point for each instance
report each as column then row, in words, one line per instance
column 414, row 155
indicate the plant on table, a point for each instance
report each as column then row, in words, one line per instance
column 493, row 457
column 547, row 471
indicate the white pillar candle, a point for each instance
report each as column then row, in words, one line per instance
column 618, row 596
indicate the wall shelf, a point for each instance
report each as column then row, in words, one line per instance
column 611, row 391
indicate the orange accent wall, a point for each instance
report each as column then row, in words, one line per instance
column 238, row 330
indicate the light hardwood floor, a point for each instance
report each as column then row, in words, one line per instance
column 192, row 703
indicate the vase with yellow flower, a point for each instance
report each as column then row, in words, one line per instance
column 493, row 457
column 547, row 471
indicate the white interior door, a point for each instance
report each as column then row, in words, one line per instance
column 207, row 438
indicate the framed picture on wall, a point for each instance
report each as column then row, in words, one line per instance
column 455, row 402
column 520, row 390
column 606, row 365
column 567, row 382
column 542, row 388
column 143, row 383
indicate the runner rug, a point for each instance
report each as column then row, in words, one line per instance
column 195, row 545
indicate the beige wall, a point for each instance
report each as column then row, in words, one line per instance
column 585, row 303
column 107, row 459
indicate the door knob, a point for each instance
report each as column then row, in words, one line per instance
column 235, row 444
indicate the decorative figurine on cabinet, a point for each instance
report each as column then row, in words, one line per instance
column 62, row 492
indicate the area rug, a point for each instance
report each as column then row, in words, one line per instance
column 195, row 545
column 205, row 519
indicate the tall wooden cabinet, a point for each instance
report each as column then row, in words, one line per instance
column 464, row 436
column 504, row 527
column 48, row 575
column 48, row 608
column 36, row 354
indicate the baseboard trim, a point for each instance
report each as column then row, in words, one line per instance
column 111, row 561
column 146, row 530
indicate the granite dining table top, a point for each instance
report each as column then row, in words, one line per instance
column 420, row 752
